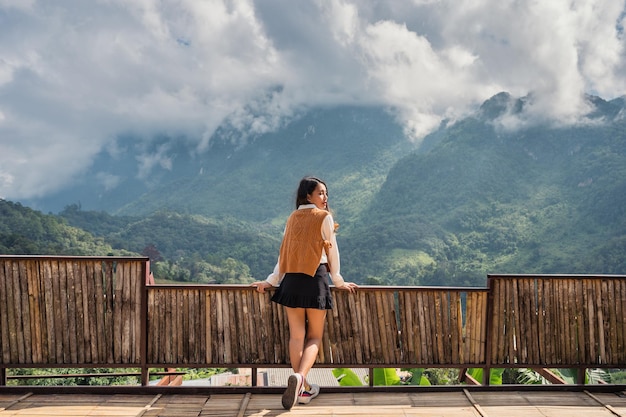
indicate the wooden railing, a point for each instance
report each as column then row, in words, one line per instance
column 557, row 321
column 98, row 311
column 378, row 326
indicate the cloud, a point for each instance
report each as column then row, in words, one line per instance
column 76, row 75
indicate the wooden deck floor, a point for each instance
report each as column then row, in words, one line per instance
column 454, row 404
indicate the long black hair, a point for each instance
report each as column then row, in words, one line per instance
column 307, row 186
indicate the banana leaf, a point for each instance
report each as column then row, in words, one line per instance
column 347, row 378
column 417, row 377
column 495, row 376
column 386, row 376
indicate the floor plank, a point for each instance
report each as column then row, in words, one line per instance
column 414, row 404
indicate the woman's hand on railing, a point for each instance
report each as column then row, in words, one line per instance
column 348, row 286
column 261, row 285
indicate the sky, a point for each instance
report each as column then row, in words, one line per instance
column 77, row 75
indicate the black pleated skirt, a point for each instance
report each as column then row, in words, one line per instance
column 304, row 291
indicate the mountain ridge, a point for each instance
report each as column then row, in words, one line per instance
column 475, row 198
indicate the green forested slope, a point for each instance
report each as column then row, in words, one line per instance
column 351, row 148
column 474, row 199
column 483, row 200
column 24, row 231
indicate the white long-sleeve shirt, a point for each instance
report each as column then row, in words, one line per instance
column 328, row 233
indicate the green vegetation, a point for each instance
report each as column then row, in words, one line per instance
column 24, row 231
column 474, row 199
column 74, row 376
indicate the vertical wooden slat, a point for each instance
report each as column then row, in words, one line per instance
column 513, row 336
column 243, row 334
column 151, row 327
column 71, row 311
column 220, row 329
column 11, row 335
column 198, row 324
column 455, row 327
column 133, row 281
column 208, row 329
column 17, row 336
column 377, row 327
column 160, row 315
column 167, row 315
column 356, row 324
column 405, row 311
column 620, row 314
column 530, row 315
column 231, row 331
column 573, row 314
column 108, row 283
column 195, row 324
column 439, row 326
column 367, row 330
column 88, row 306
column 119, row 301
column 547, row 296
column 564, row 310
column 4, row 311
column 26, row 334
column 600, row 323
column 483, row 323
column 533, row 311
column 608, row 289
column 471, row 333
column 336, row 349
column 468, row 329
column 344, row 332
column 424, row 329
column 391, row 328
column 497, row 338
column 94, row 275
column 590, row 322
column 35, row 314
column 62, row 305
column 580, row 321
column 46, row 270
column 343, row 327
column 479, row 343
column 124, row 310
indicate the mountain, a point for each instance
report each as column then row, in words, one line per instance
column 475, row 198
column 542, row 199
column 351, row 148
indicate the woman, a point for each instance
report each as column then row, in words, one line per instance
column 308, row 254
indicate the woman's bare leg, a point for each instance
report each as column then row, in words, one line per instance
column 306, row 329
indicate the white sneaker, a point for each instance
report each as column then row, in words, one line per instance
column 306, row 396
column 294, row 386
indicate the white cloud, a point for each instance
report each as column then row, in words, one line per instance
column 75, row 74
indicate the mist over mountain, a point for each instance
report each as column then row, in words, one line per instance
column 493, row 192
column 352, row 148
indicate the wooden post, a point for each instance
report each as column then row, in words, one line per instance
column 3, row 377
column 145, row 373
column 488, row 332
